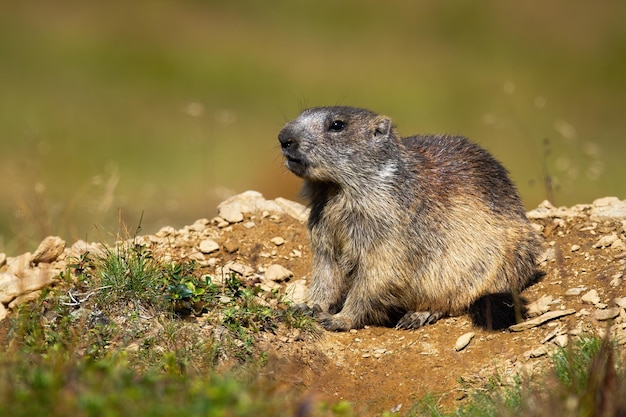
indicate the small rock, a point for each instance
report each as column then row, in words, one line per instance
column 616, row 279
column 25, row 298
column 3, row 259
column 29, row 280
column 591, row 297
column 16, row 265
column 561, row 340
column 249, row 225
column 231, row 246
column 9, row 287
column 538, row 321
column 621, row 302
column 535, row 353
column 208, row 246
column 3, row 312
column 463, row 341
column 608, row 314
column 618, row 245
column 575, row 248
column 238, row 268
column 608, row 208
column 199, row 225
column 80, row 247
column 296, row 291
column 219, row 222
column 277, row 241
column 166, row 231
column 575, row 291
column 277, row 273
column 540, row 306
column 605, row 241
column 230, row 214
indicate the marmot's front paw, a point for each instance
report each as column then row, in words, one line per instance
column 305, row 310
column 334, row 322
column 417, row 319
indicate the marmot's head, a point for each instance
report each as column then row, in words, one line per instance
column 338, row 144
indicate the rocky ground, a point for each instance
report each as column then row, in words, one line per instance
column 377, row 368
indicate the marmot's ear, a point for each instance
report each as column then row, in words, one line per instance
column 382, row 127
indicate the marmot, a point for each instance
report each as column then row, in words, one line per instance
column 404, row 230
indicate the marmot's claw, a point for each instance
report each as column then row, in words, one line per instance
column 417, row 319
column 303, row 309
column 333, row 322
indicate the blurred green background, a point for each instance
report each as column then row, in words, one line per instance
column 113, row 109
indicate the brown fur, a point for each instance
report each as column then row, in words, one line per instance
column 403, row 228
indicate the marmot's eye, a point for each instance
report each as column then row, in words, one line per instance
column 336, row 125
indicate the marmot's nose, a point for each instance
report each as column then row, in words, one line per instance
column 286, row 139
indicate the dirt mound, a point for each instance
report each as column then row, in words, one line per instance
column 377, row 368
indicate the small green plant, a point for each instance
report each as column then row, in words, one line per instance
column 129, row 273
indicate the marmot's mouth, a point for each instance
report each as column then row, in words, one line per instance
column 295, row 165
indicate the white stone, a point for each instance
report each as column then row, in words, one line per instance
column 277, row 240
column 540, row 306
column 608, row 208
column 591, row 297
column 621, row 302
column 239, row 268
column 561, row 340
column 208, row 246
column 463, row 341
column 575, row 291
column 49, row 250
column 231, row 214
column 296, row 291
column 606, row 241
column 3, row 312
column 277, row 273
column 608, row 314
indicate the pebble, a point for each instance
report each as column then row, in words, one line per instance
column 277, row 273
column 621, row 302
column 608, row 208
column 166, row 231
column 463, row 341
column 575, row 248
column 29, row 280
column 296, row 291
column 277, row 241
column 540, row 306
column 538, row 321
column 605, row 241
column 618, row 245
column 535, row 353
column 607, row 314
column 575, row 291
column 230, row 214
column 591, row 297
column 616, row 279
column 231, row 246
column 249, row 225
column 199, row 225
column 561, row 340
column 239, row 268
column 208, row 246
column 3, row 312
